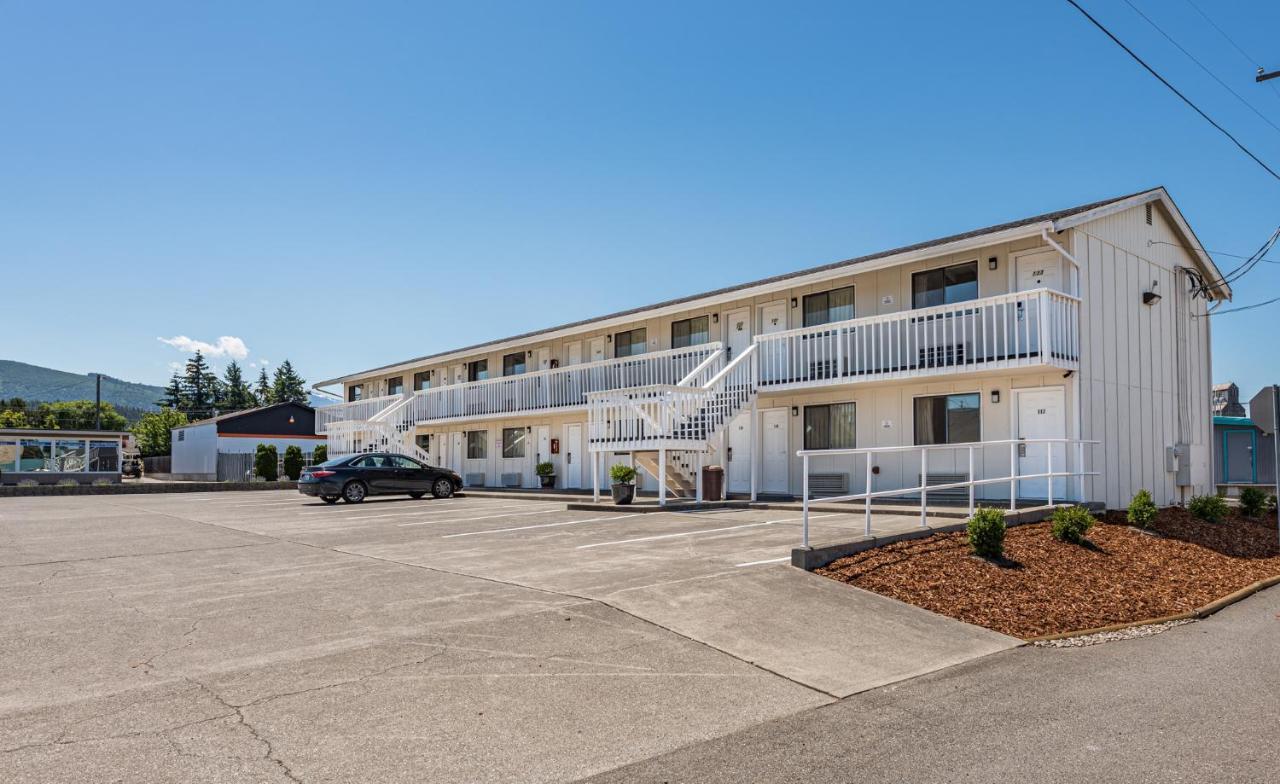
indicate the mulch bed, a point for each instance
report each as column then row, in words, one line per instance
column 1047, row 587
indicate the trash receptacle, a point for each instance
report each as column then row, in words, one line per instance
column 712, row 483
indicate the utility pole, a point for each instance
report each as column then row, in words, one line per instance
column 97, row 402
column 1265, row 75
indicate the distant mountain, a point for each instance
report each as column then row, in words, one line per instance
column 32, row 382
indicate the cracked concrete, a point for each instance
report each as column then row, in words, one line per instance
column 247, row 637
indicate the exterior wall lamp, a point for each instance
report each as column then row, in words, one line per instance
column 1151, row 297
column 993, row 263
column 715, row 318
column 795, row 411
column 995, row 396
column 794, row 302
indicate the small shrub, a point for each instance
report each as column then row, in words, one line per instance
column 320, row 454
column 102, row 483
column 1253, row 502
column 67, row 483
column 1209, row 508
column 27, row 483
column 1071, row 523
column 1271, row 504
column 1142, row 510
column 293, row 462
column 545, row 468
column 986, row 532
column 622, row 474
column 265, row 462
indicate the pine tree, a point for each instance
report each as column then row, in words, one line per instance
column 235, row 394
column 173, row 395
column 262, row 390
column 196, row 386
column 288, row 386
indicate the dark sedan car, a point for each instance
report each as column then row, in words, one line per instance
column 354, row 477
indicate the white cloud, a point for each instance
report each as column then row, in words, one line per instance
column 226, row 346
column 176, row 366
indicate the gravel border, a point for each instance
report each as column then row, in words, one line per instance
column 1129, row 633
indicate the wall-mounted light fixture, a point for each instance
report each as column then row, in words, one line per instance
column 995, row 396
column 1151, row 297
column 794, row 302
column 608, row 338
column 291, row 419
column 795, row 411
column 993, row 263
column 715, row 318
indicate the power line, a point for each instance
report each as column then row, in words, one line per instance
column 1248, row 58
column 1174, row 90
column 1240, row 309
column 1203, row 67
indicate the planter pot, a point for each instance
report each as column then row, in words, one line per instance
column 623, row 494
column 548, row 481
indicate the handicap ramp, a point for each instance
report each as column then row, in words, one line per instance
column 827, row 635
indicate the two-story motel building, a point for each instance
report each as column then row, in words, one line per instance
column 1084, row 324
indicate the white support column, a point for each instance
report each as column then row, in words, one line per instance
column 755, row 436
column 924, row 486
column 1013, row 477
column 697, row 480
column 662, row 476
column 804, row 501
column 595, row 477
column 1049, row 470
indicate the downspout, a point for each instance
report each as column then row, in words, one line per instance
column 1078, row 425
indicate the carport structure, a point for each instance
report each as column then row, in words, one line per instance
column 194, row 636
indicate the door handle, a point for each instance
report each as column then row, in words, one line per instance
column 1022, row 450
column 568, row 458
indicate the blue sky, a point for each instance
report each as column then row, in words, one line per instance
column 348, row 185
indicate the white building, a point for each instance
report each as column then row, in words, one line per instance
column 196, row 446
column 1085, row 324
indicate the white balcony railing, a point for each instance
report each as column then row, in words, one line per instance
column 354, row 411
column 547, row 390
column 1009, row 330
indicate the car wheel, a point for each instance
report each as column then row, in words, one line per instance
column 416, row 495
column 330, row 499
column 354, row 492
column 442, row 488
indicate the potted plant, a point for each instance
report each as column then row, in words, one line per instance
column 546, row 474
column 623, row 487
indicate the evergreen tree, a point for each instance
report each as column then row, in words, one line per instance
column 173, row 395
column 235, row 394
column 288, row 386
column 197, row 388
column 262, row 391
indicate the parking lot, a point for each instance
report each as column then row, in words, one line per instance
column 263, row 636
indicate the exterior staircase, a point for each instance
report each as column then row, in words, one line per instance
column 384, row 430
column 678, row 473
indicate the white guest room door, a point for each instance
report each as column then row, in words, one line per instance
column 597, row 349
column 1042, row 413
column 572, row 455
column 739, row 473
column 737, row 331
column 773, row 428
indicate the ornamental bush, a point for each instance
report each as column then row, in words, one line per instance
column 293, row 462
column 986, row 532
column 1210, row 508
column 545, row 468
column 265, row 462
column 1071, row 523
column 1142, row 510
column 319, row 454
column 1253, row 502
column 622, row 474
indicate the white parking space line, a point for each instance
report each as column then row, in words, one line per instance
column 767, row 561
column 486, row 517
column 695, row 533
column 436, row 512
column 542, row 525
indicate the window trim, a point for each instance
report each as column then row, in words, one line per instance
column 400, row 380
column 524, row 363
column 523, row 451
column 424, row 374
column 981, row 419
column 912, row 288
column 355, row 392
column 467, row 370
column 853, row 301
column 617, row 342
column 804, row 427
column 690, row 321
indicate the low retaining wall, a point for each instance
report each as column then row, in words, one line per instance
column 131, row 488
column 818, row 557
